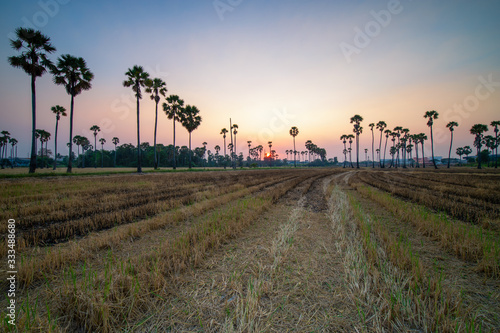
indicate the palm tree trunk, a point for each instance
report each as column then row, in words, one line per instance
column 102, row 156
column 357, row 151
column 114, row 163
column 156, row 126
column 432, row 148
column 294, row 162
column 224, row 153
column 95, row 150
column 373, row 158
column 139, row 168
column 33, row 126
column 423, row 155
column 190, row 150
column 479, row 156
column 449, row 153
column 385, row 149
column 380, row 150
column 235, row 152
column 173, row 163
column 55, row 145
column 416, row 152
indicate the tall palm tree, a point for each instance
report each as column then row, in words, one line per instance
column 235, row 131
column 260, row 148
column 404, row 140
column 496, row 124
column 223, row 132
column 387, row 132
column 478, row 130
column 270, row 144
column 190, row 119
column 13, row 142
column 422, row 137
column 366, row 157
column 217, row 150
column 59, row 111
column 372, row 125
column 115, row 141
column 73, row 74
column 137, row 78
column 34, row 48
column 381, row 125
column 156, row 87
column 294, row 131
column 393, row 148
column 350, row 137
column 96, row 129
column 397, row 133
column 343, row 138
column 102, row 141
column 432, row 115
column 357, row 119
column 490, row 143
column 249, row 149
column 451, row 125
column 173, row 110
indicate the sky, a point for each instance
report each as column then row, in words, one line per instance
column 266, row 64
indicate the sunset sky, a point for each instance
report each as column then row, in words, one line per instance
column 267, row 64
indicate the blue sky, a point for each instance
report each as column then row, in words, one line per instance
column 268, row 65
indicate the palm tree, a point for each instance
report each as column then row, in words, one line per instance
column 397, row 133
column 387, row 134
column 451, row 125
column 350, row 137
column 460, row 152
column 393, row 148
column 249, row 145
column 496, row 124
column 34, row 47
column 381, row 125
column 467, row 152
column 343, row 137
column 478, row 130
column 190, row 120
column 260, row 148
column 404, row 139
column 422, row 137
column 13, row 156
column 137, row 78
column 102, row 141
column 270, row 143
column 235, row 131
column 366, row 157
column 173, row 110
column 490, row 142
column 96, row 129
column 373, row 148
column 217, row 149
column 223, row 132
column 357, row 119
column 432, row 115
column 73, row 74
column 115, row 141
column 294, row 131
column 156, row 87
column 59, row 111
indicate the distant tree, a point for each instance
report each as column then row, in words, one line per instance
column 387, row 132
column 294, row 131
column 350, row 137
column 115, row 141
column 478, row 130
column 467, row 152
column 34, row 48
column 156, row 87
column 491, row 143
column 13, row 142
column 404, row 140
column 460, row 152
column 495, row 125
column 357, row 119
column 190, row 119
column 235, row 131
column 372, row 125
column 431, row 115
column 102, row 141
column 381, row 125
column 397, row 134
column 343, row 138
column 59, row 111
column 366, row 157
column 173, row 109
column 96, row 129
column 72, row 73
column 451, row 126
column 224, row 132
column 270, row 143
column 137, row 78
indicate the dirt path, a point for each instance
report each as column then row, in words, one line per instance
column 283, row 274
